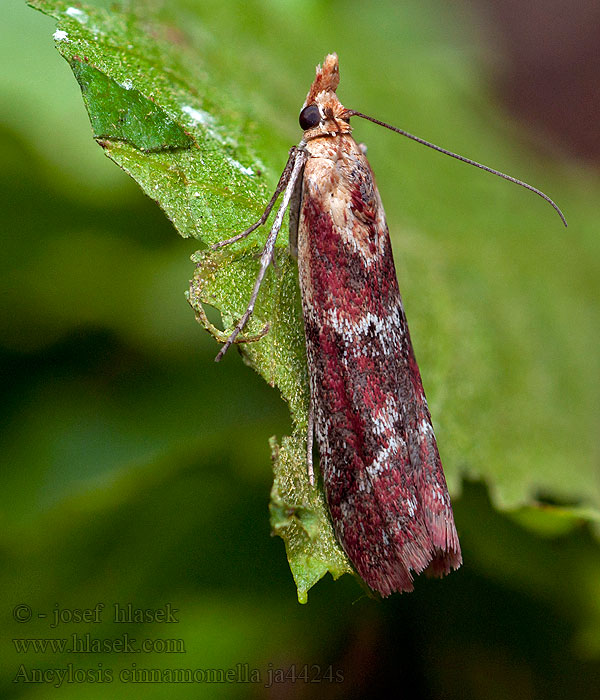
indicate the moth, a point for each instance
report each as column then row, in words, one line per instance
column 381, row 470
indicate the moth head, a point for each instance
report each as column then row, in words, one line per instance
column 322, row 113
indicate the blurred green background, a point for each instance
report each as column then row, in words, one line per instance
column 136, row 470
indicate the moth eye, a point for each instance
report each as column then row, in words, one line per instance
column 309, row 117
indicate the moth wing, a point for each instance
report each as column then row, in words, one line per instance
column 383, row 479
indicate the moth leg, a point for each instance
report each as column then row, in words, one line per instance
column 281, row 185
column 309, row 444
column 266, row 257
column 294, row 220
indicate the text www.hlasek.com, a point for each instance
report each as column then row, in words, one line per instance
column 88, row 644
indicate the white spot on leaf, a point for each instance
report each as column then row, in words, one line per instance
column 77, row 14
column 202, row 118
column 240, row 167
column 199, row 116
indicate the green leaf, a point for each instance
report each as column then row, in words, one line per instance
column 178, row 136
column 120, row 113
column 299, row 515
column 159, row 117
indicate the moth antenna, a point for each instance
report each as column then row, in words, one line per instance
column 353, row 113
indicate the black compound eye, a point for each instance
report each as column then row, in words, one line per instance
column 309, row 117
